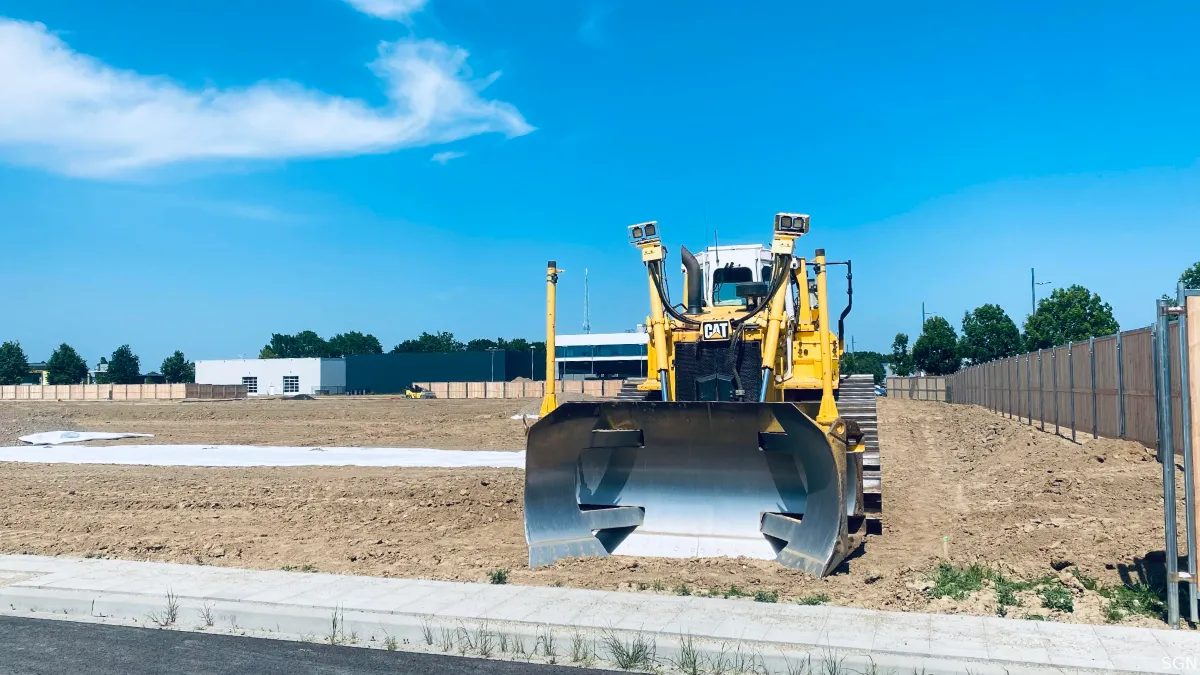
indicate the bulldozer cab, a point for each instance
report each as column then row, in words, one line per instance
column 738, row 447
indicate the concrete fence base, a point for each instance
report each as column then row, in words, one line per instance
column 120, row 392
column 521, row 388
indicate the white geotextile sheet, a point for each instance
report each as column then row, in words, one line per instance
column 255, row 455
column 56, row 437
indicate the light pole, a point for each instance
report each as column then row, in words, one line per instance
column 493, row 350
column 1033, row 284
column 924, row 314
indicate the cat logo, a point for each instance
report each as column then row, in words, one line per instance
column 715, row 330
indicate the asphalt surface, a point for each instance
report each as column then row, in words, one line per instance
column 36, row 646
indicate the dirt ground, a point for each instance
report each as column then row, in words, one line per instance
column 334, row 421
column 959, row 481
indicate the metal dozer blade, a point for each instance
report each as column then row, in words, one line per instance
column 689, row 479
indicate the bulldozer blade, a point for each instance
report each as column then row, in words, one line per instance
column 689, row 479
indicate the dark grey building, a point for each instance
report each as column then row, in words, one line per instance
column 391, row 373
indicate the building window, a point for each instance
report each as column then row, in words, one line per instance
column 291, row 384
column 251, row 384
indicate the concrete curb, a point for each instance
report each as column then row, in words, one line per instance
column 567, row 626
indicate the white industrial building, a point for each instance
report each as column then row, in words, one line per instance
column 601, row 355
column 273, row 377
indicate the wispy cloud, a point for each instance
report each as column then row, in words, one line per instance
column 71, row 113
column 591, row 31
column 443, row 157
column 394, row 10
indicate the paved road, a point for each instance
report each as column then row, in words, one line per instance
column 37, row 646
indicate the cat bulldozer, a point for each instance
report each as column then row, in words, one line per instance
column 746, row 440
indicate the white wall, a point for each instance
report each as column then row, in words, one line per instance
column 270, row 373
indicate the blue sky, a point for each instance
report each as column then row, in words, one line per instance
column 198, row 175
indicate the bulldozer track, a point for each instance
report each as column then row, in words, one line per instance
column 856, row 401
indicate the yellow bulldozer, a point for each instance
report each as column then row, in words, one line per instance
column 747, row 441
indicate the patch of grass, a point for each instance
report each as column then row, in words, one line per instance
column 683, row 590
column 1035, row 617
column 658, row 585
column 818, row 599
column 548, row 643
column 1089, row 582
column 1134, row 599
column 169, row 615
column 206, row 615
column 1057, row 597
column 832, row 664
column 635, row 654
column 389, row 643
column 746, row 661
column 583, row 651
column 518, row 646
column 505, row 642
column 798, row 668
column 306, row 567
column 427, row 630
column 1006, row 592
column 446, row 639
column 734, row 592
column 766, row 596
column 954, row 582
column 689, row 661
column 499, row 576
column 337, row 627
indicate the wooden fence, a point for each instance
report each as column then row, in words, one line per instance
column 920, row 388
column 520, row 388
column 120, row 392
column 1100, row 387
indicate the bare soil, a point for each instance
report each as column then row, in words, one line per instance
column 473, row 424
column 960, row 483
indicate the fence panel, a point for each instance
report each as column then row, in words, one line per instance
column 1141, row 417
column 1081, row 396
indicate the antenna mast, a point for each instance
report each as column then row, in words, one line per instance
column 587, row 305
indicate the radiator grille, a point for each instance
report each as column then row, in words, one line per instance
column 695, row 360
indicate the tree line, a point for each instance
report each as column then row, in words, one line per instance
column 1069, row 314
column 66, row 366
column 308, row 344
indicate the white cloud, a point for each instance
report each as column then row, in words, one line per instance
column 395, row 10
column 74, row 114
column 443, row 157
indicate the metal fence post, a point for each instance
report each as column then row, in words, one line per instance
column 1041, row 391
column 1189, row 483
column 1008, row 384
column 1029, row 386
column 1092, row 358
column 1166, row 455
column 1120, row 387
column 1054, row 369
column 1071, row 386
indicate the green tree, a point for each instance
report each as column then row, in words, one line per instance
column 864, row 363
column 66, row 366
column 352, row 343
column 936, row 349
column 1068, row 315
column 483, row 344
column 124, row 367
column 267, row 353
column 1191, row 276
column 430, row 342
column 901, row 360
column 13, row 364
column 303, row 345
column 176, row 368
column 988, row 334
